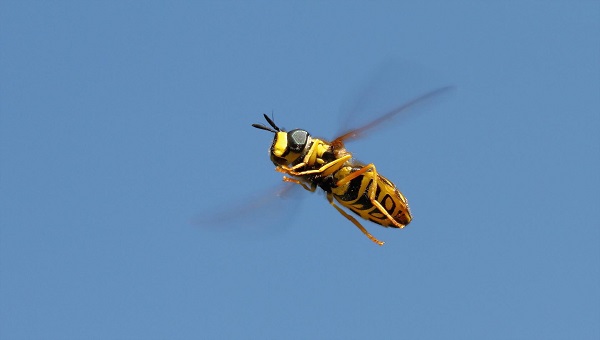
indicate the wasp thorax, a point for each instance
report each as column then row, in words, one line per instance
column 288, row 147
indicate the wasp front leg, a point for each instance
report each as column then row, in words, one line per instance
column 309, row 158
column 325, row 170
column 312, row 187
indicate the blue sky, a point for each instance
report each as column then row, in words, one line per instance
column 121, row 121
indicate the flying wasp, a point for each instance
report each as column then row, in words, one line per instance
column 313, row 162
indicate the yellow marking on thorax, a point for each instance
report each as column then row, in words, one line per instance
column 316, row 152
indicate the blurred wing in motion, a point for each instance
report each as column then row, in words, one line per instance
column 359, row 132
column 393, row 82
column 259, row 211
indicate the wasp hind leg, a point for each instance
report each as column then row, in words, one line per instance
column 372, row 190
column 353, row 220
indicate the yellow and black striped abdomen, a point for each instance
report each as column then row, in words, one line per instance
column 354, row 195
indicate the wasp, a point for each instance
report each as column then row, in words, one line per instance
column 316, row 163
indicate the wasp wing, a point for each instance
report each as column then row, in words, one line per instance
column 359, row 132
column 256, row 211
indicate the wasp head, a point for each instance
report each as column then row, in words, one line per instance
column 288, row 147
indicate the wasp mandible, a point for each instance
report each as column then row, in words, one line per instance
column 313, row 162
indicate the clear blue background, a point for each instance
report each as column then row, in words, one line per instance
column 121, row 121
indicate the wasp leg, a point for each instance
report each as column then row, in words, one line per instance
column 312, row 187
column 353, row 220
column 309, row 158
column 372, row 190
column 325, row 170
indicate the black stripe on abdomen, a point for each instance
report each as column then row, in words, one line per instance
column 353, row 190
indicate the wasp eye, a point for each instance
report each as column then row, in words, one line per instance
column 297, row 140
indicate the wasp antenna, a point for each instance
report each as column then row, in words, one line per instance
column 262, row 127
column 271, row 122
